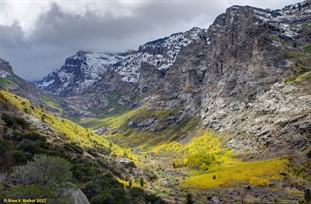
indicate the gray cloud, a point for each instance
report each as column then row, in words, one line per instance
column 58, row 34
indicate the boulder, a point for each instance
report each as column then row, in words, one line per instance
column 78, row 196
column 126, row 163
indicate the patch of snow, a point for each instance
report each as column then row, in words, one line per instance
column 282, row 19
column 129, row 67
column 46, row 84
column 64, row 76
column 276, row 44
column 4, row 74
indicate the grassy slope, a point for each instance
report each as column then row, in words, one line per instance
column 66, row 129
column 302, row 67
column 130, row 137
column 82, row 167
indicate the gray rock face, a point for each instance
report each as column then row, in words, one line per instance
column 274, row 121
column 78, row 196
column 6, row 70
column 126, row 163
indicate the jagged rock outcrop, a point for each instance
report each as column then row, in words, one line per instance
column 6, row 70
column 126, row 163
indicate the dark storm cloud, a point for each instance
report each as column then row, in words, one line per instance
column 107, row 33
column 58, row 34
column 89, row 31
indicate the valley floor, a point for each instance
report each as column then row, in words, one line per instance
column 170, row 186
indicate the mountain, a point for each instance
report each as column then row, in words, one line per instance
column 228, row 76
column 233, row 99
column 84, row 69
column 85, row 76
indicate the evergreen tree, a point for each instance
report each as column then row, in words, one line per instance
column 189, row 199
column 141, row 182
column 308, row 196
column 130, row 183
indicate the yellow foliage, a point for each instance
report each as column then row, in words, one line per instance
column 204, row 153
column 127, row 183
column 65, row 128
column 257, row 173
column 204, row 167
column 204, row 149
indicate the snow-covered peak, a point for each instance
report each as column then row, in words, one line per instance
column 160, row 53
column 283, row 19
column 84, row 69
column 80, row 71
column 177, row 39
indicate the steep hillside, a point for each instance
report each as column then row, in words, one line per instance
column 48, row 159
column 14, row 84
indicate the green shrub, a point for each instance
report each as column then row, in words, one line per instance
column 14, row 122
column 35, row 136
column 4, row 145
column 73, row 147
column 141, row 182
column 43, row 178
column 20, row 158
column 151, row 198
column 92, row 152
column 137, row 192
column 307, row 196
column 59, row 151
column 33, row 147
column 307, row 48
column 189, row 199
column 100, row 186
column 17, row 135
column 7, row 119
column 21, row 122
column 103, row 199
column 118, row 193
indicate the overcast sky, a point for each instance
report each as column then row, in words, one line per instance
column 38, row 35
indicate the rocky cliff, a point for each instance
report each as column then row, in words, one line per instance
column 248, row 74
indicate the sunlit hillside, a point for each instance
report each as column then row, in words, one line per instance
column 34, row 143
